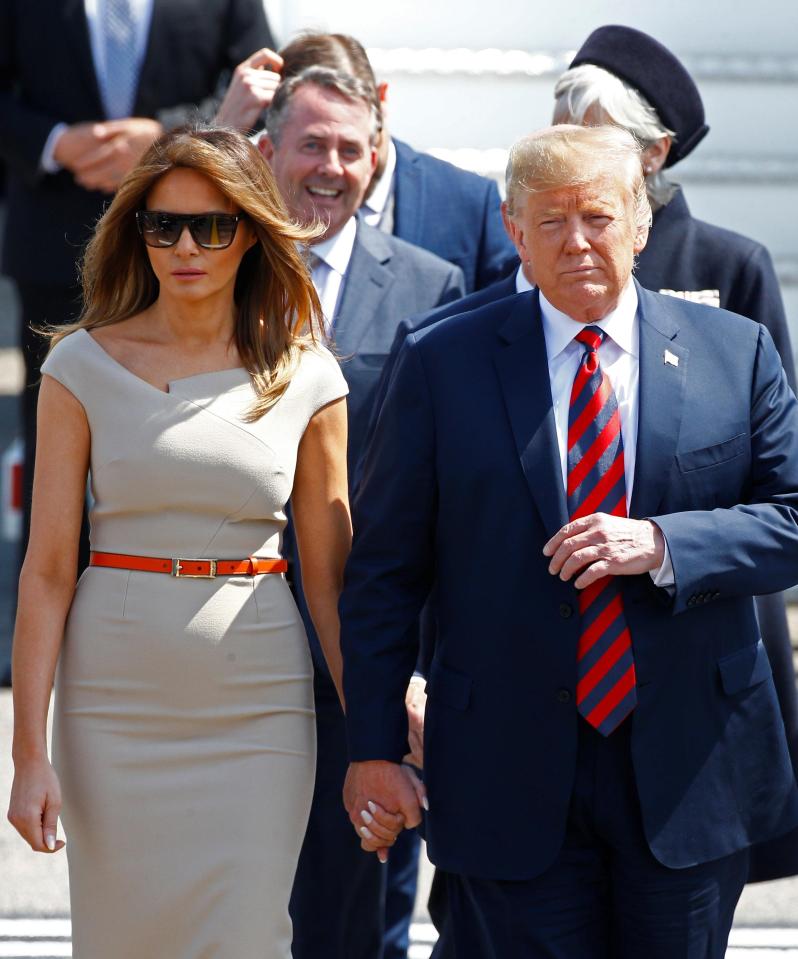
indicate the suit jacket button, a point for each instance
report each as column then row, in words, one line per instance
column 566, row 610
column 564, row 695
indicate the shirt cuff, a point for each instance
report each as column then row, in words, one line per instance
column 664, row 577
column 47, row 161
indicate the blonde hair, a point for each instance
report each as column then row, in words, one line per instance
column 568, row 155
column 590, row 90
column 277, row 309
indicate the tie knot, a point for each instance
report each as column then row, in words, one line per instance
column 591, row 337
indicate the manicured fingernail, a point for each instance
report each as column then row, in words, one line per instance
column 366, row 817
column 372, row 806
column 383, row 857
column 425, row 803
column 365, row 832
column 49, row 841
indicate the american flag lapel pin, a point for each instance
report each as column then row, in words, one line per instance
column 670, row 359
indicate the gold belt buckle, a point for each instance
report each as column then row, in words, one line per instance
column 177, row 566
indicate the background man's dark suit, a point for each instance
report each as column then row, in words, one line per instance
column 47, row 76
column 466, row 446
column 687, row 255
column 336, row 903
column 453, row 213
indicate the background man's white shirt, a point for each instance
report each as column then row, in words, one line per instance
column 330, row 261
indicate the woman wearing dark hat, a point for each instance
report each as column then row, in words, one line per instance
column 625, row 77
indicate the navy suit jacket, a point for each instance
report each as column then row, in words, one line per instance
column 47, row 76
column 464, row 458
column 386, row 281
column 453, row 213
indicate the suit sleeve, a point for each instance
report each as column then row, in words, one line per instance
column 23, row 130
column 248, row 30
column 453, row 287
column 756, row 294
column 497, row 255
column 390, row 569
column 751, row 548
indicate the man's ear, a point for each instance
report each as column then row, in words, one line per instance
column 641, row 238
column 515, row 232
column 266, row 146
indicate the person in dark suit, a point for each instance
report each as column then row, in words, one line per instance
column 323, row 126
column 70, row 130
column 428, row 202
column 623, row 76
column 603, row 673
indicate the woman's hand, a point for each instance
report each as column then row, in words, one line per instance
column 35, row 805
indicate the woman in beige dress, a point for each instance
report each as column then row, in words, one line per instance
column 195, row 396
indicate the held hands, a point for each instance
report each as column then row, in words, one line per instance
column 100, row 155
column 35, row 805
column 251, row 90
column 602, row 545
column 382, row 798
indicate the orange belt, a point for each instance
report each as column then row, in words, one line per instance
column 191, row 568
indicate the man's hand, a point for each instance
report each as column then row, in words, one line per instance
column 100, row 155
column 602, row 545
column 416, row 703
column 251, row 90
column 374, row 788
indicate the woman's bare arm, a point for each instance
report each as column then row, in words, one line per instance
column 320, row 507
column 46, row 587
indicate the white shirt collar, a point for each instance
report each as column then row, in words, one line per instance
column 522, row 284
column 382, row 188
column 336, row 251
column 619, row 325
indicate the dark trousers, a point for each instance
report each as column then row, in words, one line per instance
column 605, row 896
column 344, row 904
column 40, row 305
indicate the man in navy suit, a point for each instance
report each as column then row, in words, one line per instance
column 624, row 76
column 603, row 741
column 321, row 145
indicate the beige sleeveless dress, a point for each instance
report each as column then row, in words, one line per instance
column 184, row 733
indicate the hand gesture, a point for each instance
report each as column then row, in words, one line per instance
column 35, row 804
column 602, row 545
column 100, row 155
column 251, row 90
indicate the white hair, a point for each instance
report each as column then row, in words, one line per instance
column 588, row 95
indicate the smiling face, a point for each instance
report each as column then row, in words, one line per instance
column 581, row 241
column 323, row 160
column 186, row 270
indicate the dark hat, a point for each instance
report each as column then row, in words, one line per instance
column 654, row 71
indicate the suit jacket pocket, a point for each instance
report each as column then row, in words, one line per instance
column 449, row 687
column 712, row 455
column 746, row 668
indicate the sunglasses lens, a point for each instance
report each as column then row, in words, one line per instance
column 214, row 231
column 158, row 229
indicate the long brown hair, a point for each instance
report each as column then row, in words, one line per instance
column 277, row 309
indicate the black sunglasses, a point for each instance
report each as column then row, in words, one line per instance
column 212, row 231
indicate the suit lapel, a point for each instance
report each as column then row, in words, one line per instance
column 408, row 195
column 663, row 372
column 76, row 37
column 368, row 280
column 523, row 370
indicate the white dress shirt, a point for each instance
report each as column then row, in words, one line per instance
column 619, row 355
column 142, row 15
column 522, row 284
column 330, row 260
column 378, row 209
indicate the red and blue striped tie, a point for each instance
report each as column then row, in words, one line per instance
column 605, row 688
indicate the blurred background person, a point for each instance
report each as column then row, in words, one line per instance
column 625, row 77
column 322, row 145
column 85, row 88
column 433, row 204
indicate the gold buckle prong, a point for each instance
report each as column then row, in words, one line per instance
column 177, row 565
